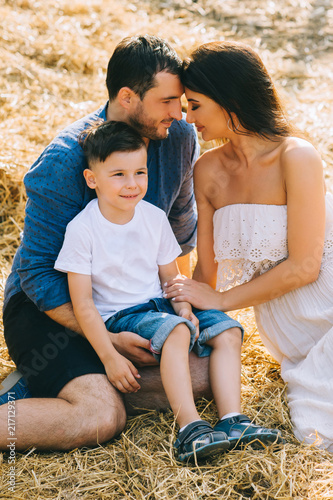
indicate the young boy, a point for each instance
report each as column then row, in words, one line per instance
column 117, row 252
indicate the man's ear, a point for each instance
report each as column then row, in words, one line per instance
column 90, row 178
column 126, row 97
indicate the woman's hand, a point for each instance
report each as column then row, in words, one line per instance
column 200, row 295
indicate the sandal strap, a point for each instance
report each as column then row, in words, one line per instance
column 192, row 431
column 245, row 427
column 239, row 419
column 251, row 427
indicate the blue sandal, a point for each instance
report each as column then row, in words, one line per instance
column 200, row 440
column 241, row 431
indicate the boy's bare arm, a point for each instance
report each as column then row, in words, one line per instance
column 168, row 272
column 129, row 344
column 120, row 371
column 183, row 309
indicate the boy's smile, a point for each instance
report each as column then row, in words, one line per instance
column 120, row 183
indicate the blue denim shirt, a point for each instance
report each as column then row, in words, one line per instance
column 56, row 192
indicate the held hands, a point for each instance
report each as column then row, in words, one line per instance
column 122, row 373
column 200, row 295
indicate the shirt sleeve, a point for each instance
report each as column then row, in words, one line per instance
column 56, row 194
column 183, row 213
column 76, row 252
column 169, row 249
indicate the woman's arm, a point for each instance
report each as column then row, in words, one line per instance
column 302, row 168
column 206, row 267
column 120, row 371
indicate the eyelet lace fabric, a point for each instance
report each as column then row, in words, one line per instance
column 250, row 239
column 238, row 271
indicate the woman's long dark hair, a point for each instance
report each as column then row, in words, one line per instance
column 235, row 77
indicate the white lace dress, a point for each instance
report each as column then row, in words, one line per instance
column 296, row 328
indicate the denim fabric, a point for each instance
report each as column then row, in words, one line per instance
column 156, row 319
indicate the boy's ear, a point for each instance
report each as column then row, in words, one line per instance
column 90, row 178
column 126, row 97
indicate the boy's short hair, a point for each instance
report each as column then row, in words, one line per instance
column 136, row 61
column 104, row 138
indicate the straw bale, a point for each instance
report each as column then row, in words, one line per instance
column 53, row 56
column 12, row 198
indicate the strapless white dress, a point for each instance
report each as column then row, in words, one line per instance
column 296, row 328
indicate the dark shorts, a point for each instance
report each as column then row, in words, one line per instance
column 47, row 354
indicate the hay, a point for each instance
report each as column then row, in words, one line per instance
column 52, row 70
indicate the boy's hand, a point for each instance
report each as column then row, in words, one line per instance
column 188, row 314
column 122, row 374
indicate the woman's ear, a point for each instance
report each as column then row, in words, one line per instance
column 90, row 178
column 235, row 122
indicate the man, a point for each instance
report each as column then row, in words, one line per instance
column 79, row 406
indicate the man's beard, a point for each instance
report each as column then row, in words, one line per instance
column 145, row 125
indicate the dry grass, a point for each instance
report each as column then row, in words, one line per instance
column 52, row 70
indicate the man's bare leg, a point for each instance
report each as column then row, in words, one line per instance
column 88, row 410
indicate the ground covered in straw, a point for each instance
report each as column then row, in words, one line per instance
column 52, row 70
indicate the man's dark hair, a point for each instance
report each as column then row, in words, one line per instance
column 136, row 61
column 104, row 138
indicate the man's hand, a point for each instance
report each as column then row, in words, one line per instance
column 133, row 347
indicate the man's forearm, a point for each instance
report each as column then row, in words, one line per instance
column 64, row 315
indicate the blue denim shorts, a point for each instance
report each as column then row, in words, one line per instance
column 156, row 319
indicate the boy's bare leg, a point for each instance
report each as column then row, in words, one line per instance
column 225, row 371
column 151, row 396
column 175, row 374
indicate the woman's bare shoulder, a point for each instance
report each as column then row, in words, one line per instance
column 210, row 176
column 296, row 147
column 300, row 159
column 210, row 158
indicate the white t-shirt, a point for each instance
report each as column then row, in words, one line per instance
column 123, row 259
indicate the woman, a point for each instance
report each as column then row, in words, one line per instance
column 265, row 226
